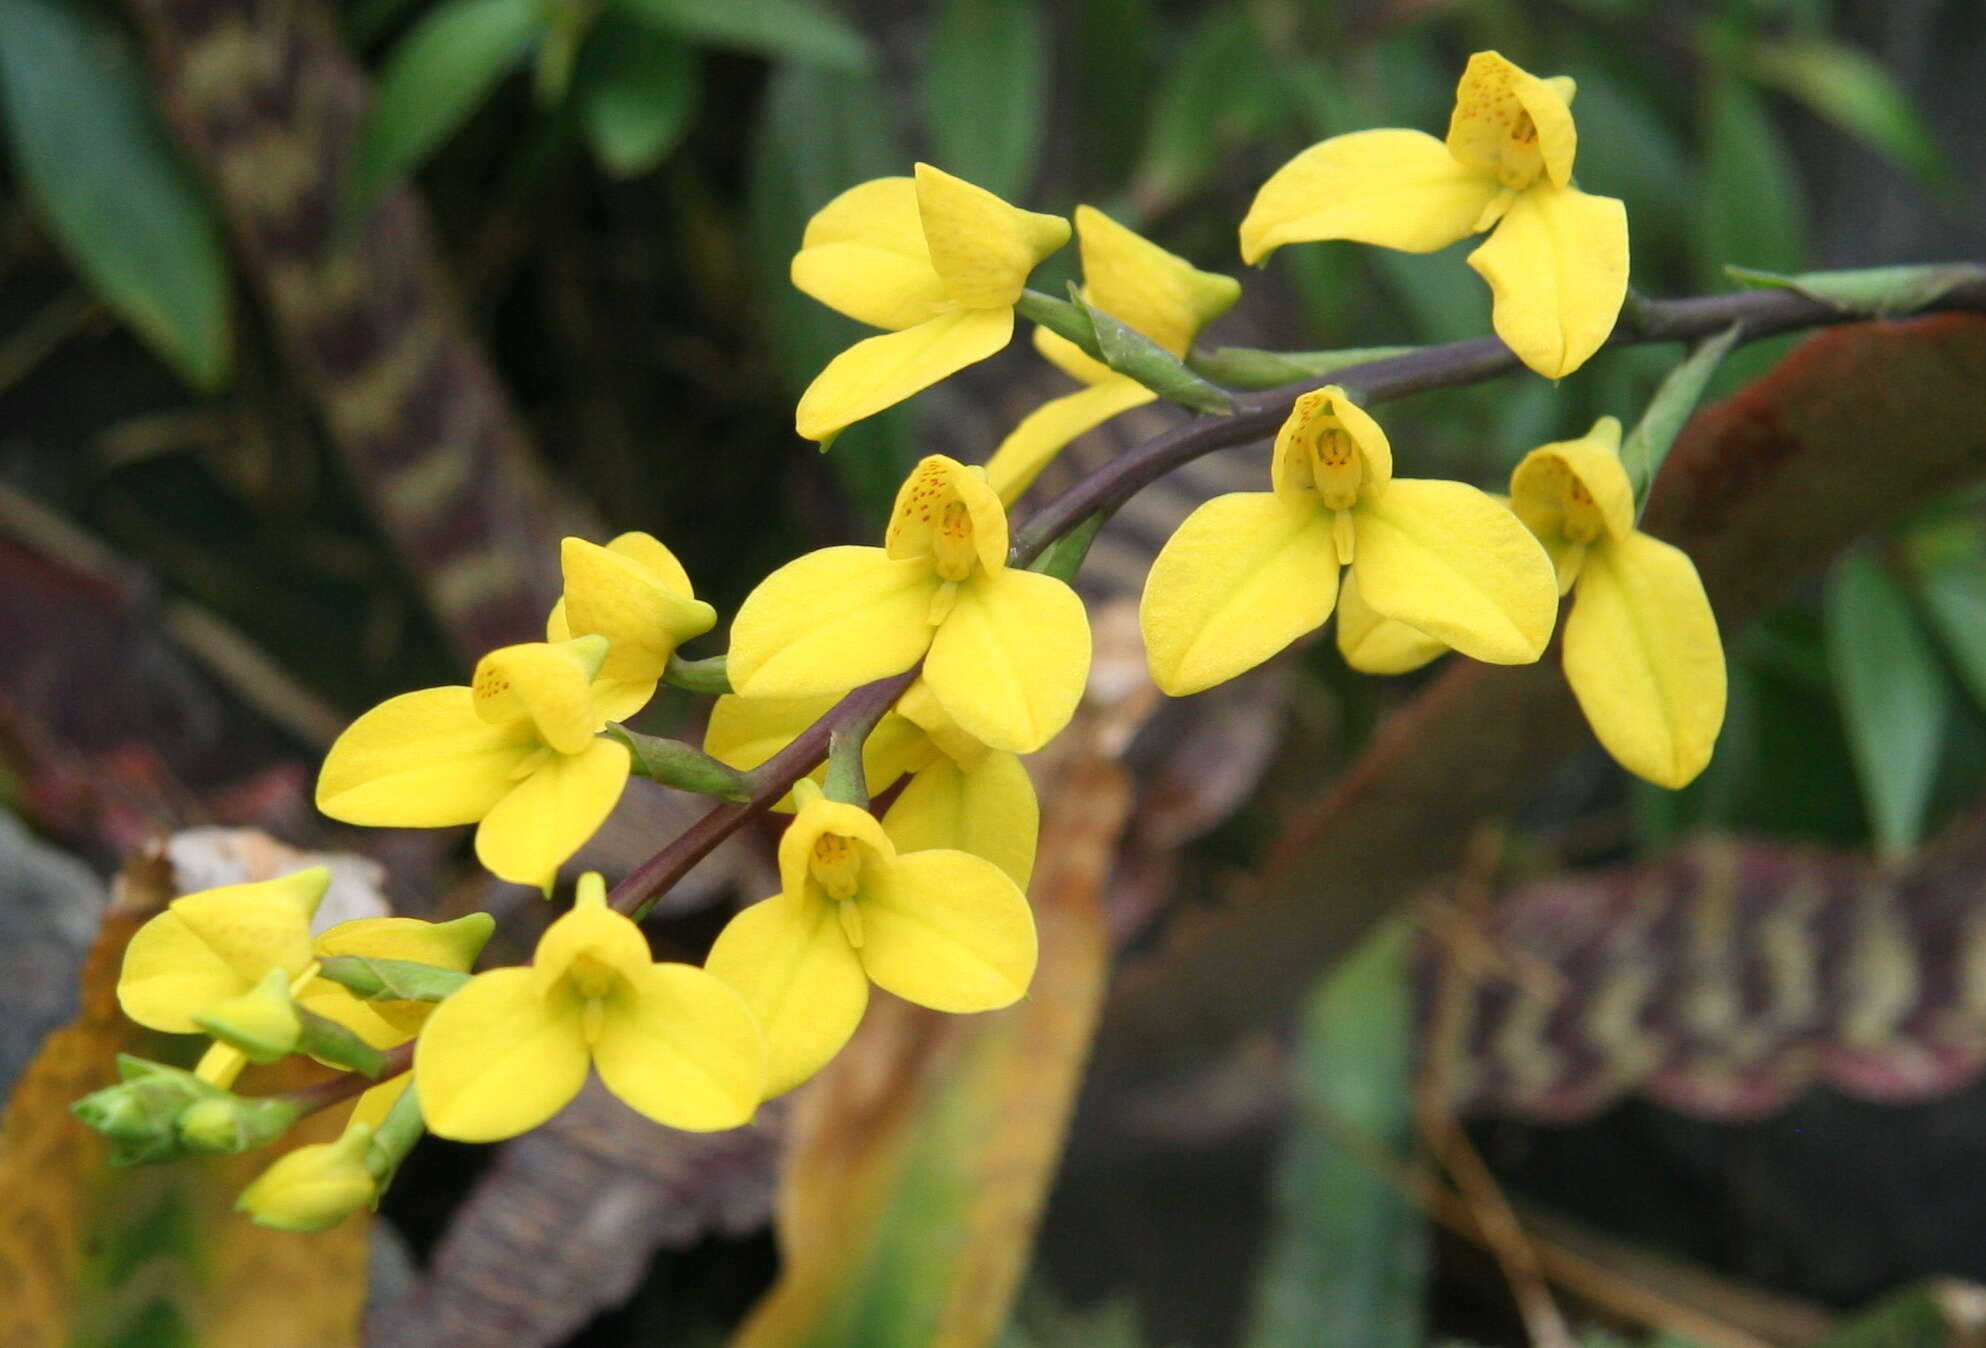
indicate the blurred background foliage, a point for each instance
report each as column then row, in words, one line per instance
column 617, row 189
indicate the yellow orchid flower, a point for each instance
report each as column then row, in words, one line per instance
column 941, row 928
column 1250, row 572
column 1557, row 262
column 218, row 948
column 388, row 1024
column 1140, row 284
column 1009, row 650
column 636, row 594
column 518, row 752
column 961, row 794
column 1641, row 647
column 513, row 1046
column 932, row 258
column 210, row 947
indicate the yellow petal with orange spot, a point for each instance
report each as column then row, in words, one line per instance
column 1510, row 123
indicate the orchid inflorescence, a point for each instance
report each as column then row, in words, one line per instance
column 926, row 899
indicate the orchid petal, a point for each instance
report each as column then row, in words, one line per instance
column 789, row 959
column 1140, row 284
column 1557, row 265
column 947, row 930
column 1009, row 662
column 1644, row 659
column 497, row 1059
column 881, row 372
column 829, row 621
column 422, row 760
column 1244, row 576
column 1373, row 644
column 682, row 1048
column 551, row 813
column 1398, row 189
column 1046, row 431
column 864, row 255
column 1445, row 558
column 988, row 810
column 982, row 247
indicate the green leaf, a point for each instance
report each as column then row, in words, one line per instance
column 327, row 1041
column 1755, row 213
column 793, row 29
column 1246, row 367
column 382, row 980
column 1915, row 1315
column 1128, row 351
column 1205, row 103
column 821, row 132
column 1346, row 1260
column 1892, row 697
column 1114, row 44
column 710, row 675
column 1645, row 447
column 985, row 86
column 683, row 766
column 1954, row 595
column 90, row 150
column 1063, row 558
column 637, row 93
column 1850, row 88
column 1876, row 292
column 434, row 80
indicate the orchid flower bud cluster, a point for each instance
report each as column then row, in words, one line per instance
column 926, row 899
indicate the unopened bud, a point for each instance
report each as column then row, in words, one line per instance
column 262, row 1022
column 313, row 1187
column 229, row 1125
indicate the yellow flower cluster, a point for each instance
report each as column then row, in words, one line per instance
column 928, row 901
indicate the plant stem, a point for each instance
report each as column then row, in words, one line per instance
column 772, row 779
column 324, row 1094
column 1757, row 313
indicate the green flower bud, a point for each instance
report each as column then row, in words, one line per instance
column 262, row 1022
column 159, row 1113
column 137, row 1118
column 230, row 1125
